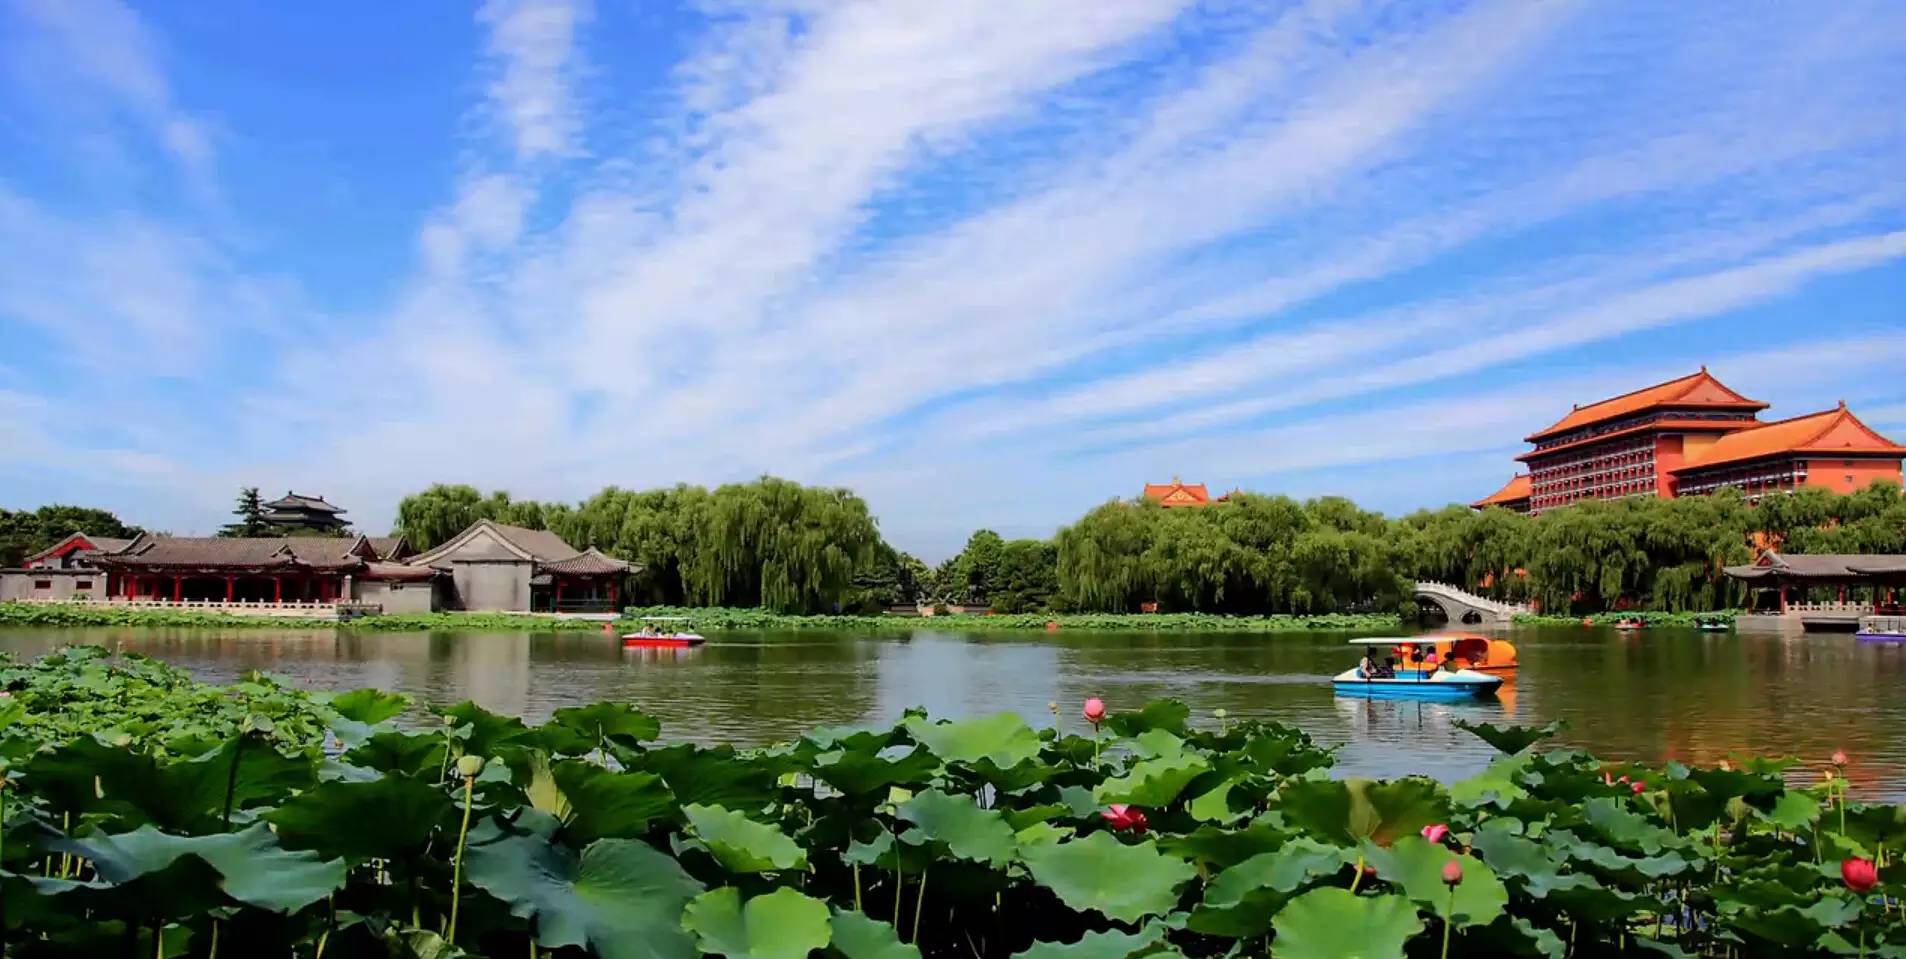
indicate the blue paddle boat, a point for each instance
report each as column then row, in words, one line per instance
column 1441, row 685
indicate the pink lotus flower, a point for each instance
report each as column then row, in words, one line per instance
column 1623, row 780
column 1095, row 710
column 1839, row 757
column 1859, row 874
column 1123, row 818
column 1452, row 872
column 1608, row 779
column 1638, row 786
column 1435, row 833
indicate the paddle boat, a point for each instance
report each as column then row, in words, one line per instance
column 1707, row 625
column 1460, row 651
column 656, row 633
column 1882, row 629
column 1627, row 625
column 1431, row 682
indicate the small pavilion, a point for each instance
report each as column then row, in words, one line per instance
column 1838, row 578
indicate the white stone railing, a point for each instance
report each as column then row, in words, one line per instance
column 289, row 609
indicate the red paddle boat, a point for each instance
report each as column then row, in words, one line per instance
column 656, row 633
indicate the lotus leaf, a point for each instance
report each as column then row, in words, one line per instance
column 605, row 804
column 1241, row 901
column 711, row 777
column 970, row 832
column 783, row 924
column 1333, row 923
column 369, row 706
column 1110, row 944
column 858, row 937
column 621, row 898
column 1168, row 715
column 487, row 733
column 1124, row 882
column 1417, row 865
column 1154, row 782
column 1511, row 739
column 1002, row 739
column 1355, row 810
column 386, row 817
column 251, row 866
column 866, row 773
column 742, row 845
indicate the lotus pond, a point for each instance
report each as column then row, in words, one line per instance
column 146, row 814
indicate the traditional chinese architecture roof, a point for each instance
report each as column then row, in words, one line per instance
column 1834, row 432
column 589, row 562
column 1695, row 391
column 402, row 572
column 301, row 503
column 389, row 548
column 78, row 544
column 1817, row 567
column 237, row 553
column 1517, row 490
column 1176, row 493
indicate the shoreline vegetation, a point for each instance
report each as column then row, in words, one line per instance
column 694, row 618
column 1646, row 617
column 146, row 813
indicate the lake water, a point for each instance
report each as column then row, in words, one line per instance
column 1656, row 695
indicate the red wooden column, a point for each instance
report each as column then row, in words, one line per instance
column 230, row 583
column 277, row 589
column 178, row 589
column 612, row 592
column 559, row 594
column 1783, row 597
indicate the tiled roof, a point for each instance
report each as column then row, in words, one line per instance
column 1176, row 493
column 387, row 547
column 589, row 562
column 546, row 546
column 316, row 552
column 1829, row 432
column 1518, row 489
column 399, row 571
column 1815, row 565
column 298, row 501
column 1699, row 389
column 97, row 544
column 539, row 545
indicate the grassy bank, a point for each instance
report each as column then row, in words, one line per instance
column 147, row 814
column 1610, row 619
column 701, row 619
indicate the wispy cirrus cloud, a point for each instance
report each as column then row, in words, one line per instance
column 914, row 248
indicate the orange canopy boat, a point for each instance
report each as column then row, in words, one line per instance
column 1463, row 651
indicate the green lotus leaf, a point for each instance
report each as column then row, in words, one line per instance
column 1214, row 804
column 1217, row 848
column 579, row 729
column 1417, row 864
column 859, row 937
column 487, row 732
column 1332, row 923
column 865, row 774
column 1002, row 739
column 1241, row 901
column 421, row 944
column 783, row 924
column 1042, row 834
column 1511, row 739
column 1624, row 827
column 1516, row 936
column 1793, row 811
column 970, row 832
column 1110, row 944
column 621, row 898
column 857, row 739
column 1527, row 862
column 1154, row 782
column 1168, row 715
column 1123, row 882
column 1284, row 752
column 1157, row 744
column 1495, row 786
column 369, row 706
column 717, row 776
column 1351, row 811
column 412, row 754
column 1613, row 863
column 388, row 817
column 1874, row 827
column 1795, row 927
column 742, row 845
column 606, row 804
column 11, row 711
column 251, row 866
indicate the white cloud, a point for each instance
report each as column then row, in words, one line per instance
column 537, row 66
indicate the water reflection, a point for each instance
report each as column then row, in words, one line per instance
column 1657, row 695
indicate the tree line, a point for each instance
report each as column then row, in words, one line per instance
column 779, row 545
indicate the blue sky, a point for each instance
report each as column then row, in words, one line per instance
column 988, row 264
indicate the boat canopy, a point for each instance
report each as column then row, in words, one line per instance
column 1390, row 641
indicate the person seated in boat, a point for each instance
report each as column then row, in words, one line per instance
column 1430, row 665
column 1387, row 670
column 1367, row 668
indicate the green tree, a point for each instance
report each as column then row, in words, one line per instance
column 251, row 515
column 23, row 532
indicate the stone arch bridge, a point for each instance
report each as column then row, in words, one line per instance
column 1462, row 606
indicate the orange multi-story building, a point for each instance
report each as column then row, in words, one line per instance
column 1178, row 493
column 1691, row 436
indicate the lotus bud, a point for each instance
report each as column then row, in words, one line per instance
column 468, row 766
column 1638, row 786
column 1053, row 708
column 1859, row 874
column 1452, row 872
column 1220, row 713
column 1095, row 710
column 1435, row 833
column 1839, row 757
column 449, row 720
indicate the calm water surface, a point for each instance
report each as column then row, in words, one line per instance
column 1657, row 695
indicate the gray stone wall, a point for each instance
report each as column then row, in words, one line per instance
column 60, row 584
column 397, row 598
column 492, row 585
